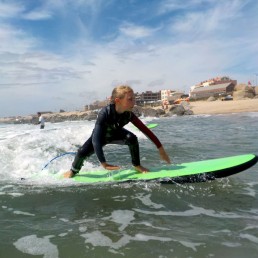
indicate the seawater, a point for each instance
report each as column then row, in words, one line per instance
column 44, row 216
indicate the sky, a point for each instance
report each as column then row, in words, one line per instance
column 65, row 54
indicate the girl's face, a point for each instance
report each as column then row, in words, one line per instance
column 125, row 104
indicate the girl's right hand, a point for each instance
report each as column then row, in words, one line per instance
column 164, row 155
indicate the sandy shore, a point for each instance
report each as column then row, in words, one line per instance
column 224, row 107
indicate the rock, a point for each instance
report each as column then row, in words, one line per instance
column 243, row 87
column 151, row 112
column 256, row 90
column 242, row 94
column 178, row 110
column 137, row 111
column 211, row 98
column 181, row 109
column 242, row 91
column 189, row 112
column 91, row 116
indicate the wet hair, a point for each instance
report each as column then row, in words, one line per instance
column 119, row 92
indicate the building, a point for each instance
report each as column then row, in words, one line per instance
column 216, row 80
column 165, row 94
column 147, row 97
column 169, row 96
column 216, row 90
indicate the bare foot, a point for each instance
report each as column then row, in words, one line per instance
column 109, row 166
column 68, row 174
column 141, row 169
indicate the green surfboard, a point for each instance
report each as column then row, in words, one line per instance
column 199, row 171
column 150, row 126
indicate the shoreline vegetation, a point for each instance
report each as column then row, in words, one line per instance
column 197, row 108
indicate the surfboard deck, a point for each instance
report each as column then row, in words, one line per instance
column 199, row 171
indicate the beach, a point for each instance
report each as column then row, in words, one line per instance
column 224, row 107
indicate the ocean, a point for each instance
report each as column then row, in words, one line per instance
column 42, row 215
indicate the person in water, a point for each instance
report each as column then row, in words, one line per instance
column 41, row 121
column 109, row 130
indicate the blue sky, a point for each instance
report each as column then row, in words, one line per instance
column 63, row 54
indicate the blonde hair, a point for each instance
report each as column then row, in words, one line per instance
column 119, row 92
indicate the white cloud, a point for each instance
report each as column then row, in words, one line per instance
column 136, row 31
column 37, row 15
column 10, row 10
column 217, row 19
column 15, row 40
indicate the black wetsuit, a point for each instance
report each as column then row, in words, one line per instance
column 109, row 129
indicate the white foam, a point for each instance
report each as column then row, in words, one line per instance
column 123, row 217
column 250, row 237
column 145, row 199
column 230, row 244
column 190, row 245
column 25, row 150
column 24, row 154
column 97, row 238
column 195, row 211
column 16, row 194
column 250, row 191
column 36, row 246
column 23, row 213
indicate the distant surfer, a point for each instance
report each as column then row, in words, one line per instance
column 109, row 130
column 41, row 121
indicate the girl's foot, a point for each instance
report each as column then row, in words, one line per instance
column 141, row 169
column 68, row 174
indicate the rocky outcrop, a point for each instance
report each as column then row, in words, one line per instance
column 148, row 112
column 256, row 90
column 243, row 91
column 211, row 98
column 73, row 116
column 179, row 110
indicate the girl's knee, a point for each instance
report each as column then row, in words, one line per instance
column 131, row 139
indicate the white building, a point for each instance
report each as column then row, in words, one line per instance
column 165, row 94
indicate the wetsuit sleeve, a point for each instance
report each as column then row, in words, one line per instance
column 143, row 128
column 98, row 136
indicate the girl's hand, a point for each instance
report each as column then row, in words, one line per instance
column 109, row 166
column 164, row 155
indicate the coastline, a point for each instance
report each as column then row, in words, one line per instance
column 198, row 108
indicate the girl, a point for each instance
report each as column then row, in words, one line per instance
column 109, row 129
